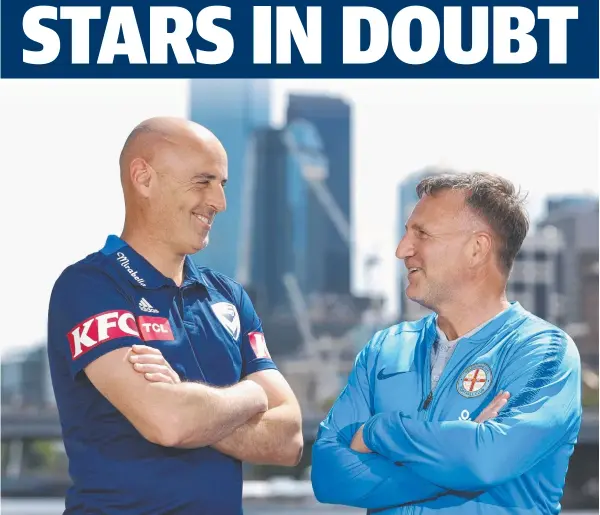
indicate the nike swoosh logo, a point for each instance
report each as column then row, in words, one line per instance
column 381, row 375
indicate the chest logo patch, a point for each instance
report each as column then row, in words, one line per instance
column 474, row 380
column 229, row 318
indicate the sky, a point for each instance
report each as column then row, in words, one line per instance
column 61, row 139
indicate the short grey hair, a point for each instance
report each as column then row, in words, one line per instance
column 493, row 198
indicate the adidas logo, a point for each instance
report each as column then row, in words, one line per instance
column 146, row 306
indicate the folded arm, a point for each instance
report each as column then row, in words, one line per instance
column 182, row 415
column 545, row 407
column 341, row 475
column 273, row 437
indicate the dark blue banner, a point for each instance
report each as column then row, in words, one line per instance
column 338, row 39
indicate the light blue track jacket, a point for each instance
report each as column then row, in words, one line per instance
column 429, row 456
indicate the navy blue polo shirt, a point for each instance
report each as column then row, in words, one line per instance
column 208, row 331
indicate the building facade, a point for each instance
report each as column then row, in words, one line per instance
column 332, row 119
column 576, row 218
column 532, row 281
column 269, row 252
column 26, row 382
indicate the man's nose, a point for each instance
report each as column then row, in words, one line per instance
column 218, row 201
column 405, row 248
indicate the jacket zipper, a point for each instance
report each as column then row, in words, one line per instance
column 462, row 361
column 427, row 377
column 450, row 370
column 427, row 401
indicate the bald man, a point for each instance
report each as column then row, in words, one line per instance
column 162, row 377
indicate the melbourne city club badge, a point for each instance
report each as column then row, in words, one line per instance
column 474, row 380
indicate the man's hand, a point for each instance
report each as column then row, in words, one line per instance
column 358, row 443
column 151, row 363
column 493, row 408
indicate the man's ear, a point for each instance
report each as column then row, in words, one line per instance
column 140, row 174
column 481, row 248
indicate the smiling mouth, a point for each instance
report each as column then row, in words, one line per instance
column 204, row 219
column 412, row 271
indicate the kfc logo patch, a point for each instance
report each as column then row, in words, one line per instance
column 259, row 345
column 99, row 329
column 155, row 328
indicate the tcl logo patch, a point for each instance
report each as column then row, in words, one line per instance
column 155, row 328
column 99, row 329
column 259, row 345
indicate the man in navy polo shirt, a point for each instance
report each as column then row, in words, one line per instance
column 163, row 380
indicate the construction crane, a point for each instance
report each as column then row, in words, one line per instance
column 304, row 145
column 303, row 142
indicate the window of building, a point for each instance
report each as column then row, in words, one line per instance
column 540, row 300
column 559, row 272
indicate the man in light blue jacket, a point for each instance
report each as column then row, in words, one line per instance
column 474, row 409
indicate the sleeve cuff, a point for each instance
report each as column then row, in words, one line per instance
column 77, row 365
column 383, row 434
column 259, row 364
column 368, row 432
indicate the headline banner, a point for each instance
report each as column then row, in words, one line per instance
column 338, row 39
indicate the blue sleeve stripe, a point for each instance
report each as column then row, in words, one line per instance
column 542, row 375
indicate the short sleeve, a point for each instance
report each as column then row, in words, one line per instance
column 88, row 317
column 255, row 353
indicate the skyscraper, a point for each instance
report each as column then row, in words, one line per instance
column 286, row 166
column 576, row 280
column 269, row 253
column 577, row 220
column 307, row 170
column 332, row 119
column 284, row 260
column 232, row 110
column 532, row 280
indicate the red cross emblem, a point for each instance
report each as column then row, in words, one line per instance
column 474, row 380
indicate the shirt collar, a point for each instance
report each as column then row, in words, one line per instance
column 140, row 272
column 191, row 273
column 443, row 338
column 488, row 328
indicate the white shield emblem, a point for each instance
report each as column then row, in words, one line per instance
column 474, row 380
column 228, row 316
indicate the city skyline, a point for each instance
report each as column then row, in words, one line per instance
column 70, row 133
column 520, row 130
